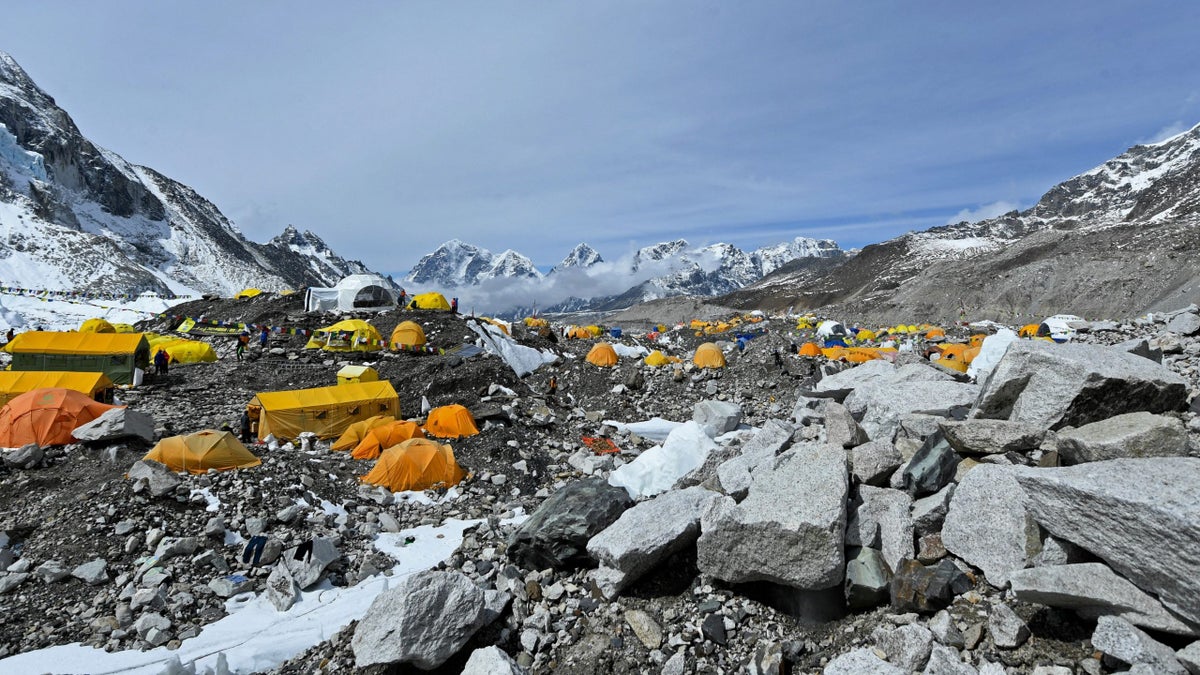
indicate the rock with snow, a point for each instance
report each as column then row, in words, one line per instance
column 1053, row 385
column 1008, row 630
column 991, row 437
column 1141, row 516
column 307, row 562
column 873, row 463
column 987, row 523
column 881, row 520
column 281, row 590
column 557, row 534
column 717, row 417
column 656, row 470
column 789, row 530
column 116, row 423
column 156, row 477
column 1123, row 641
column 1138, row 434
column 491, row 661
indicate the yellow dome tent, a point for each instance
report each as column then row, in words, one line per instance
column 248, row 293
column 407, row 334
column 358, row 431
column 709, row 355
column 536, row 322
column 96, row 326
column 578, row 333
column 1028, row 330
column 416, row 464
column 351, row 335
column 429, row 301
column 385, row 436
column 602, row 355
column 124, row 328
column 184, row 351
column 976, row 340
column 864, row 335
column 656, row 359
column 450, row 421
column 201, row 451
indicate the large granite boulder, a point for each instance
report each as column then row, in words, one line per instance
column 991, row 437
column 557, row 534
column 881, row 406
column 717, row 417
column 736, row 474
column 881, row 521
column 116, row 423
column 987, row 524
column 1138, row 434
column 1121, row 640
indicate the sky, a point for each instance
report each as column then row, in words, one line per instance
column 389, row 127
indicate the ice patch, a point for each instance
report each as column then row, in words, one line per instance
column 657, row 469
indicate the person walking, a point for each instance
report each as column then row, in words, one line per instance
column 454, row 305
column 161, row 360
column 263, row 337
column 242, row 341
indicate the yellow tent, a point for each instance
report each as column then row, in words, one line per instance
column 117, row 355
column 407, row 334
column 536, row 322
column 248, row 293
column 123, row 328
column 184, row 351
column 349, row 374
column 656, row 358
column 865, row 335
column 935, row 334
column 96, row 326
column 450, row 421
column 201, row 451
column 1028, row 330
column 429, row 301
column 385, row 436
column 595, row 331
column 708, row 355
column 697, row 324
column 13, row 383
column 351, row 335
column 578, row 333
column 416, row 464
column 358, row 431
column 325, row 411
column 976, row 340
column 602, row 354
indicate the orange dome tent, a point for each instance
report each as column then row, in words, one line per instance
column 603, row 355
column 201, row 451
column 935, row 334
column 810, row 349
column 385, row 436
column 450, row 421
column 709, row 355
column 578, row 333
column 97, row 326
column 416, row 464
column 1028, row 330
column 46, row 417
column 407, row 334
column 358, row 431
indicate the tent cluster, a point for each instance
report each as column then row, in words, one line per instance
column 123, row 357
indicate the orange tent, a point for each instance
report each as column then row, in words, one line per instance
column 976, row 340
column 416, row 464
column 385, row 436
column 709, row 355
column 358, row 431
column 1028, row 330
column 603, row 355
column 450, row 421
column 201, row 451
column 578, row 333
column 935, row 334
column 46, row 417
column 407, row 334
column 810, row 349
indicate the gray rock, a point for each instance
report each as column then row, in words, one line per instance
column 717, row 417
column 231, row 584
column 1140, row 347
column 12, row 580
column 1189, row 656
column 1184, row 324
column 557, row 534
column 424, row 620
column 882, row 521
column 841, row 429
column 736, row 474
column 308, row 569
column 931, row 468
column 926, row 589
column 645, row 628
column 1053, row 385
column 491, row 661
column 157, row 477
column 281, row 590
column 862, row 660
column 882, row 405
column 1138, row 434
column 1055, row 551
column 169, row 547
column 945, row 661
column 28, row 456
column 907, row 646
column 647, row 534
column 1093, row 590
column 790, row 529
column 92, row 573
column 52, row 571
column 919, row 426
column 946, row 631
column 712, row 628
column 991, row 437
column 1141, row 516
column 766, row 660
column 1008, row 630
column 215, row 527
column 1121, row 640
column 150, row 621
column 873, row 463
column 116, row 423
column 853, row 378
column 988, row 525
column 928, row 513
column 868, row 578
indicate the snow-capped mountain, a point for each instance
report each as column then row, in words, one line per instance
column 582, row 256
column 75, row 216
column 1114, row 241
column 771, row 258
column 455, row 264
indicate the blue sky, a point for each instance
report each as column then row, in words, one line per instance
column 389, row 127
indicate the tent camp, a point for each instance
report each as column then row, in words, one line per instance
column 351, row 335
column 46, row 417
column 96, row 326
column 201, row 451
column 325, row 411
column 450, row 421
column 407, row 334
column 358, row 431
column 416, row 464
column 95, row 386
column 429, row 301
column 248, row 293
column 351, row 374
column 355, row 292
column 709, row 355
column 124, row 357
column 385, row 436
column 603, row 355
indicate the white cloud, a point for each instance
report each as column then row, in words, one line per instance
column 983, row 212
column 1173, row 129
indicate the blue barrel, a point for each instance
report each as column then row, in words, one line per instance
column 615, row 332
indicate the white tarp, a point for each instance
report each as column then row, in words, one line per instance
column 655, row 428
column 627, row 351
column 523, row 360
column 990, row 353
column 355, row 292
column 657, row 469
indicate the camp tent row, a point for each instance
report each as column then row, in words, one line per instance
column 96, row 386
column 123, row 357
column 324, row 411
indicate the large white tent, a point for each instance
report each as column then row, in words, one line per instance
column 355, row 292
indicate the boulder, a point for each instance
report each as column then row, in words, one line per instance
column 1121, row 640
column 868, row 577
column 93, row 573
column 789, row 530
column 861, row 660
column 991, row 437
column 853, row 378
column 841, row 429
column 880, row 406
column 12, row 580
column 988, row 526
column 1053, row 386
column 557, row 534
column 873, row 463
column 117, row 423
column 1189, row 656
column 1184, row 324
column 52, row 571
column 281, row 590
column 1141, row 516
column 931, row 468
column 945, row 661
column 882, row 521
column 929, row 513
column 907, row 646
column 1008, row 630
column 422, row 621
column 717, row 417
column 28, row 456
column 1094, row 590
column 307, row 567
column 646, row 534
column 491, row 661
column 1140, row 347
column 917, row 588
column 156, row 477
column 735, row 474
column 1138, row 434
column 946, row 631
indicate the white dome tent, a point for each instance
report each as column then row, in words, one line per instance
column 355, row 292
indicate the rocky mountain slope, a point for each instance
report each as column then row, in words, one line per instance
column 1120, row 239
column 74, row 215
column 455, row 264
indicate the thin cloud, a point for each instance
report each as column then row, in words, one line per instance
column 1173, row 129
column 983, row 212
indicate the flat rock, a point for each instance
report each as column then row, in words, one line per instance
column 1123, row 641
column 491, row 661
column 873, row 463
column 93, row 573
column 860, row 661
column 557, row 534
column 882, row 521
column 158, row 478
column 717, row 417
column 987, row 524
column 52, row 571
column 882, row 405
column 736, row 474
column 12, row 580
column 1138, row 434
column 1186, row 323
column 647, row 630
column 117, row 423
column 991, row 437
